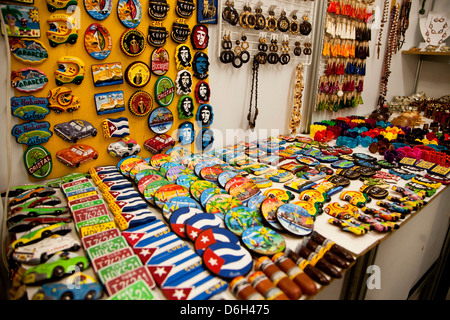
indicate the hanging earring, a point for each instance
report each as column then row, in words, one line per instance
column 285, row 57
column 226, row 56
column 273, row 57
column 245, row 55
column 295, row 25
column 237, row 60
column 307, row 50
column 261, row 56
column 230, row 14
column 272, row 22
column 305, row 26
column 260, row 20
column 283, row 22
column 297, row 49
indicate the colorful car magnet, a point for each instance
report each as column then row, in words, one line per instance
column 70, row 70
column 113, row 128
column 21, row 21
column 164, row 91
column 160, row 120
column 74, row 130
column 184, row 82
column 202, row 92
column 200, row 65
column 158, row 9
column 62, row 29
column 76, row 155
column 160, row 61
column 295, row 219
column 97, row 41
column 28, row 79
column 109, row 102
column 38, row 161
column 107, row 74
column 98, row 10
column 132, row 42
column 29, row 108
column 137, row 74
column 28, row 51
column 129, row 12
column 140, row 103
column 200, row 37
column 264, row 241
column 227, row 260
column 32, row 133
column 205, row 115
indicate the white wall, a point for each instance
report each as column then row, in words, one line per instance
column 230, row 88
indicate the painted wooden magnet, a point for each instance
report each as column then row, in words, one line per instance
column 129, row 12
column 28, row 79
column 137, row 74
column 140, row 103
column 157, row 34
column 76, row 155
column 132, row 42
column 70, row 70
column 74, row 130
column 62, row 29
column 124, row 148
column 69, row 5
column 185, row 8
column 61, row 99
column 32, row 133
column 207, row 11
column 38, row 161
column 109, row 102
column 184, row 82
column 201, row 65
column 160, row 61
column 113, row 128
column 186, row 133
column 158, row 9
column 98, row 10
column 21, row 21
column 200, row 37
column 205, row 115
column 185, row 107
column 180, row 31
column 164, row 91
column 28, row 51
column 97, row 41
column 183, row 57
column 202, row 92
column 160, row 120
column 29, row 108
column 107, row 74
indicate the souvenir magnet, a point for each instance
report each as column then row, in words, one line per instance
column 214, row 235
column 157, row 34
column 295, row 219
column 200, row 222
column 132, row 42
column 107, row 74
column 28, row 51
column 211, row 173
column 129, row 12
column 164, row 91
column 151, row 188
column 180, row 31
column 185, row 107
column 280, row 176
column 183, row 57
column 240, row 218
column 298, row 185
column 354, row 227
column 32, row 133
column 199, row 37
column 185, row 8
column 140, row 103
column 109, row 102
column 207, row 12
column 178, row 218
column 158, row 9
column 227, row 260
column 186, row 180
column 62, row 29
column 38, row 161
column 374, row 191
column 221, row 204
column 202, row 92
column 262, row 240
column 158, row 143
column 97, row 41
column 21, row 21
column 184, row 82
column 200, row 65
column 74, row 130
column 342, row 164
column 124, row 147
column 268, row 208
column 355, row 198
column 28, row 79
column 160, row 61
column 70, row 70
column 314, row 196
column 262, row 182
column 160, row 120
column 113, row 128
column 176, row 203
column 205, row 139
column 174, row 172
column 205, row 115
column 137, row 74
column 244, row 189
column 167, row 192
column 98, row 10
column 76, row 155
column 199, row 186
column 29, row 108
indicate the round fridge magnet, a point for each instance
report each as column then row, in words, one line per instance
column 160, row 120
column 164, row 91
column 132, row 42
column 137, row 74
column 140, row 103
column 129, row 12
column 97, row 41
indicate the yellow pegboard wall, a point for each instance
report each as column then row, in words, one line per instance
column 139, row 129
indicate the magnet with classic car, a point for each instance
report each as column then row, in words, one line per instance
column 74, row 130
column 124, row 148
column 76, row 155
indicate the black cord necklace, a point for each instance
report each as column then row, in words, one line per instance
column 253, row 92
